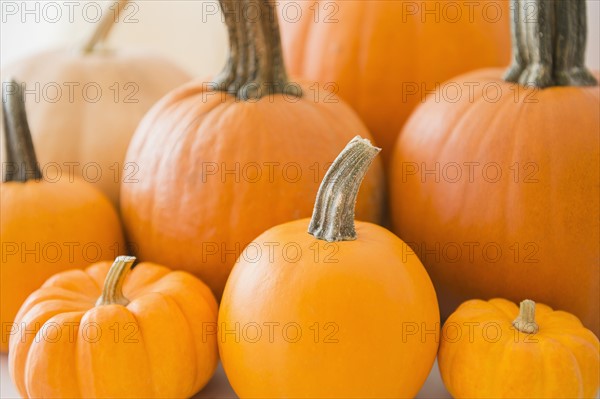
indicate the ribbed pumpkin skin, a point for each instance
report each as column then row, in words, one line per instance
column 179, row 214
column 394, row 52
column 560, row 361
column 153, row 348
column 53, row 226
column 360, row 307
column 93, row 133
column 545, row 219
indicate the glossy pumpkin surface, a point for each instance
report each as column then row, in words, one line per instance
column 328, row 319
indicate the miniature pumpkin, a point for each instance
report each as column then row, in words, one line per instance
column 99, row 333
column 85, row 104
column 502, row 184
column 402, row 51
column 46, row 225
column 329, row 308
column 217, row 168
column 493, row 349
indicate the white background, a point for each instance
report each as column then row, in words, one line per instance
column 184, row 30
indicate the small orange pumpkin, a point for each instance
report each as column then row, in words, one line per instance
column 101, row 333
column 46, row 225
column 217, row 168
column 326, row 308
column 491, row 349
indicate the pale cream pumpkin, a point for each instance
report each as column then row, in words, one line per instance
column 84, row 105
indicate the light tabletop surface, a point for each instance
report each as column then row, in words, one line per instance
column 219, row 388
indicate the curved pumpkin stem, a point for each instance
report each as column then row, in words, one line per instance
column 525, row 322
column 104, row 26
column 255, row 66
column 21, row 161
column 112, row 293
column 333, row 215
column 550, row 49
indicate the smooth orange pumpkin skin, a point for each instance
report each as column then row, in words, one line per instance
column 550, row 211
column 366, row 296
column 395, row 52
column 158, row 346
column 560, row 361
column 48, row 227
column 178, row 212
column 92, row 136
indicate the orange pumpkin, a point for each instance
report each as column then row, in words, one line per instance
column 329, row 308
column 217, row 168
column 46, row 225
column 404, row 49
column 99, row 333
column 494, row 350
column 501, row 184
column 85, row 104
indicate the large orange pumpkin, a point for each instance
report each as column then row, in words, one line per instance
column 85, row 104
column 329, row 308
column 497, row 189
column 106, row 333
column 217, row 168
column 46, row 225
column 383, row 56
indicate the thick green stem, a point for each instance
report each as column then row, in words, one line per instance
column 549, row 40
column 112, row 293
column 110, row 16
column 255, row 66
column 525, row 322
column 333, row 215
column 21, row 162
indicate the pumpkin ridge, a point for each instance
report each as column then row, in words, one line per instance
column 135, row 287
column 38, row 321
column 196, row 385
column 144, row 343
column 206, row 293
column 575, row 367
column 510, row 315
column 55, row 281
column 33, row 347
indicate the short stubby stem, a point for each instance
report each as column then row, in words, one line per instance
column 112, row 293
column 525, row 322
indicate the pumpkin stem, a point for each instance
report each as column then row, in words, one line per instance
column 255, row 66
column 525, row 322
column 333, row 215
column 549, row 41
column 112, row 293
column 235, row 72
column 110, row 16
column 21, row 161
